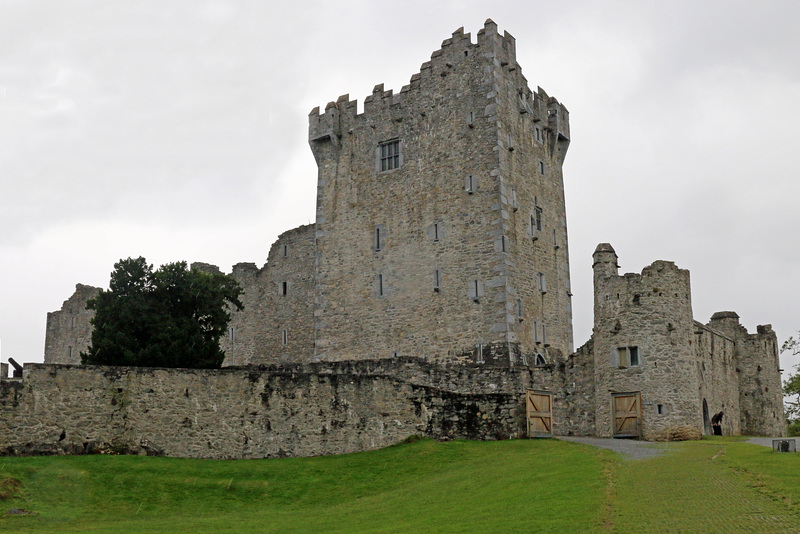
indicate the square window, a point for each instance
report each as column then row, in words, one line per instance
column 389, row 155
column 625, row 357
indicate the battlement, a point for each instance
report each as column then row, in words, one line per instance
column 457, row 53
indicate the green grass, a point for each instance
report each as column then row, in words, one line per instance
column 695, row 487
column 716, row 485
column 425, row 486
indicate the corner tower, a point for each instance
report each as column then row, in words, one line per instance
column 441, row 226
column 645, row 370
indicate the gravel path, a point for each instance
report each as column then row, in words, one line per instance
column 630, row 449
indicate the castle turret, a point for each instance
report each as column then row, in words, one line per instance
column 605, row 261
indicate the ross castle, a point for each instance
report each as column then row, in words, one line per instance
column 432, row 295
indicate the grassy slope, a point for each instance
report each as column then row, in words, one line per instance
column 695, row 487
column 716, row 485
column 543, row 486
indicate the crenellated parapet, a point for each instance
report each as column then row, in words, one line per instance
column 458, row 54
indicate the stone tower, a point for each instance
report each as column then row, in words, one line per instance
column 441, row 226
column 643, row 356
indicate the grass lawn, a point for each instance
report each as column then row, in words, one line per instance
column 716, row 485
column 545, row 486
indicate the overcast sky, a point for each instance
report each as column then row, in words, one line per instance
column 177, row 131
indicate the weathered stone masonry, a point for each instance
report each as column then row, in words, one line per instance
column 684, row 371
column 256, row 412
column 439, row 257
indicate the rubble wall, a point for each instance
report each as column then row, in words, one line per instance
column 257, row 412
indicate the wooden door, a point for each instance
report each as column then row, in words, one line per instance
column 627, row 415
column 539, row 408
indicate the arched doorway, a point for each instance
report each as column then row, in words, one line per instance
column 706, row 420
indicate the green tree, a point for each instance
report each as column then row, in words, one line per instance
column 791, row 388
column 170, row 317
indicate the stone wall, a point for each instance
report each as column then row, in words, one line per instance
column 719, row 380
column 758, row 372
column 277, row 322
column 760, row 388
column 290, row 410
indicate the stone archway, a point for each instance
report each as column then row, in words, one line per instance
column 706, row 420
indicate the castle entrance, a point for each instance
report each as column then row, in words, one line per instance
column 627, row 415
column 539, row 409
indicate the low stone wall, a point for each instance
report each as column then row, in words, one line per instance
column 256, row 412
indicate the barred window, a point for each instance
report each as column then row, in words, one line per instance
column 389, row 155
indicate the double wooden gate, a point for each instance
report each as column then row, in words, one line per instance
column 539, row 409
column 627, row 414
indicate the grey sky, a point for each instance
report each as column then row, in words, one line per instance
column 177, row 130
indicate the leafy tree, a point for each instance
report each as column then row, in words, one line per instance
column 791, row 388
column 170, row 317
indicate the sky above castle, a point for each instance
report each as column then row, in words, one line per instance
column 177, row 131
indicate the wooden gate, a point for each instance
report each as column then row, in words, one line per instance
column 627, row 415
column 539, row 408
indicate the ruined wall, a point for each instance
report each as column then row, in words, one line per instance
column 651, row 311
column 69, row 330
column 277, row 322
column 760, row 391
column 578, row 394
column 292, row 410
column 719, row 381
column 758, row 373
column 429, row 258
